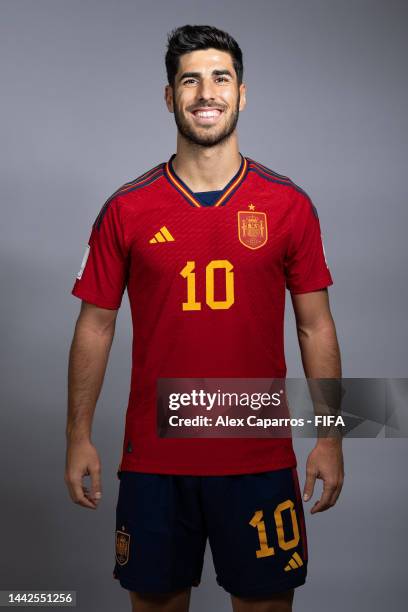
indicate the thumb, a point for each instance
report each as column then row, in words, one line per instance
column 309, row 485
column 96, row 488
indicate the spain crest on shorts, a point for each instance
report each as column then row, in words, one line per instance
column 122, row 547
column 252, row 228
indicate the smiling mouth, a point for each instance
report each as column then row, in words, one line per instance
column 210, row 115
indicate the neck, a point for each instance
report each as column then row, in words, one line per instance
column 206, row 168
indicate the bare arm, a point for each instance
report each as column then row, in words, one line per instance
column 317, row 335
column 88, row 358
column 321, row 359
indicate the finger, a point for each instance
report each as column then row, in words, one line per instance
column 309, row 485
column 80, row 498
column 77, row 494
column 336, row 493
column 87, row 493
column 96, row 485
column 325, row 501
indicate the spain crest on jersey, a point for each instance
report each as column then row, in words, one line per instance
column 122, row 547
column 252, row 228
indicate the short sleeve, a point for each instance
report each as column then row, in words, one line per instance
column 306, row 268
column 102, row 277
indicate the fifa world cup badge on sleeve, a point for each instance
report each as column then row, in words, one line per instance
column 84, row 260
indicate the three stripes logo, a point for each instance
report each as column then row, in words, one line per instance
column 163, row 235
column 294, row 562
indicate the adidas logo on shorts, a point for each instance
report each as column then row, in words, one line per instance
column 294, row 562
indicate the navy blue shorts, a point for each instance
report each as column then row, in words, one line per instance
column 254, row 523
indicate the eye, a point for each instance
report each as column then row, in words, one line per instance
column 188, row 81
column 222, row 78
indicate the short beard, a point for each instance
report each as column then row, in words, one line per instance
column 209, row 140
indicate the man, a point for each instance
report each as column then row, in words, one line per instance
column 205, row 245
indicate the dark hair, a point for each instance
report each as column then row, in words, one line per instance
column 189, row 38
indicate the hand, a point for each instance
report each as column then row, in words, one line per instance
column 326, row 462
column 82, row 460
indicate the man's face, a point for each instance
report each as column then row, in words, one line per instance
column 206, row 98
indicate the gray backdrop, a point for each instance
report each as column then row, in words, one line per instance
column 82, row 113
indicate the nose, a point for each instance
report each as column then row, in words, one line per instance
column 206, row 90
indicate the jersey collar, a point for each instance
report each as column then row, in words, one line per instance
column 186, row 192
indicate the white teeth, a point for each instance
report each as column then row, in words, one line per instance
column 207, row 113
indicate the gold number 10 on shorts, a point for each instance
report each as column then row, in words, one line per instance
column 258, row 522
column 188, row 272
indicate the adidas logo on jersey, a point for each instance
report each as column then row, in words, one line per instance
column 163, row 235
column 294, row 562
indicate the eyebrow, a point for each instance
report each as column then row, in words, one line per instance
column 197, row 75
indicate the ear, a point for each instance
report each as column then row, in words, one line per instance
column 168, row 97
column 242, row 101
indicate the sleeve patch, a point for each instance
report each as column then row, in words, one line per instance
column 324, row 251
column 84, row 260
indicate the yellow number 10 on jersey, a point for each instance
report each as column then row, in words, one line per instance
column 188, row 272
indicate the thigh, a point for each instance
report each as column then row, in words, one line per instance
column 160, row 535
column 173, row 602
column 279, row 602
column 257, row 532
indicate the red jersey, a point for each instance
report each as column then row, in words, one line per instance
column 206, row 287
